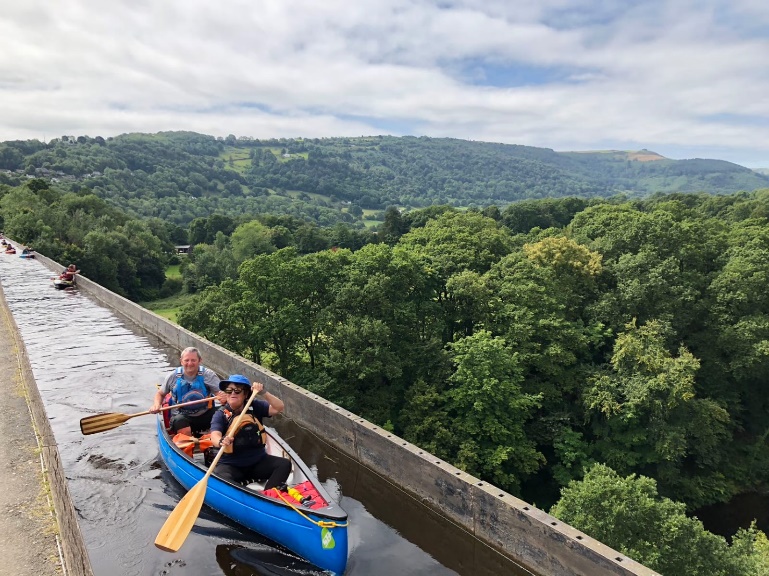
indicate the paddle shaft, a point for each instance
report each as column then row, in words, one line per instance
column 108, row 421
column 163, row 409
column 172, row 406
column 179, row 523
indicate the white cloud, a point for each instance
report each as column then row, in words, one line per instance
column 689, row 77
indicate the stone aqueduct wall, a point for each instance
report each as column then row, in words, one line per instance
column 529, row 536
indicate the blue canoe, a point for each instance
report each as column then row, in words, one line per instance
column 317, row 534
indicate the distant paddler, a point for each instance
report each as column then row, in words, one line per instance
column 69, row 273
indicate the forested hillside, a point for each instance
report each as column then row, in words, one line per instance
column 179, row 176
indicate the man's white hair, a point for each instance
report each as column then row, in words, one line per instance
column 191, row 349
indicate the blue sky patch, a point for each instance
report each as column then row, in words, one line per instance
column 514, row 75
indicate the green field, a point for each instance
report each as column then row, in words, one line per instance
column 314, row 195
column 173, row 272
column 279, row 156
column 167, row 307
column 371, row 223
column 241, row 161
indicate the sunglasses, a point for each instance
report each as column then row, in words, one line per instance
column 234, row 391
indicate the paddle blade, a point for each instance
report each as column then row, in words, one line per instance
column 179, row 523
column 101, row 422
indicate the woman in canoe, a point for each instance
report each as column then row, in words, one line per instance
column 245, row 457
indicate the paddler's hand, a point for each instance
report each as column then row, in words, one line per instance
column 155, row 408
column 221, row 397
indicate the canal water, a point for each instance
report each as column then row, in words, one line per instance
column 87, row 360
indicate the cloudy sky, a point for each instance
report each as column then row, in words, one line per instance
column 683, row 78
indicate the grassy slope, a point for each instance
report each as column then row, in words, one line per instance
column 168, row 307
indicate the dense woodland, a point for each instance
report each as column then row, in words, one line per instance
column 179, row 176
column 606, row 357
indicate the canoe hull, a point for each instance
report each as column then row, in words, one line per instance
column 326, row 548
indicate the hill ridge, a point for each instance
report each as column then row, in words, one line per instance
column 341, row 177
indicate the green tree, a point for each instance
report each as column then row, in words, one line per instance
column 208, row 265
column 488, row 411
column 219, row 314
column 750, row 549
column 393, row 227
column 741, row 306
column 250, row 239
column 628, row 515
column 20, row 201
column 737, row 346
column 451, row 244
column 147, row 255
column 309, row 238
column 198, row 232
column 106, row 260
column 539, row 295
column 287, row 297
column 645, row 416
column 217, row 223
column 382, row 337
column 656, row 264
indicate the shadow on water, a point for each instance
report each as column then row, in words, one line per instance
column 86, row 360
column 726, row 518
column 240, row 561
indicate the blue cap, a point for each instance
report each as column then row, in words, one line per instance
column 238, row 379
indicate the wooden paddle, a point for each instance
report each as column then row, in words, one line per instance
column 179, row 523
column 110, row 420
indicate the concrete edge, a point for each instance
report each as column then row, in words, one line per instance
column 527, row 535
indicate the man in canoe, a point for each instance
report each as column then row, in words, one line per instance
column 190, row 381
column 245, row 457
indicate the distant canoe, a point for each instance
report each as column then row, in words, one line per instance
column 315, row 530
column 60, row 284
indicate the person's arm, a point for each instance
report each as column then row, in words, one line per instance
column 276, row 404
column 157, row 401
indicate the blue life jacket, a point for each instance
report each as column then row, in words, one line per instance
column 187, row 392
